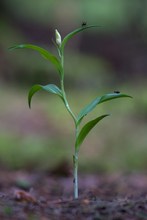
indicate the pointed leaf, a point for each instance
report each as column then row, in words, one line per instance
column 70, row 35
column 49, row 56
column 49, row 88
column 86, row 129
column 97, row 101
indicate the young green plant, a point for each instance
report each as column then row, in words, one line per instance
column 58, row 63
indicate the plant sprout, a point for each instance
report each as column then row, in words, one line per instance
column 58, row 62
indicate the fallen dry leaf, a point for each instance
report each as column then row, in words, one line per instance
column 22, row 195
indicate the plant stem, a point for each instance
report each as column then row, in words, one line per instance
column 75, row 156
column 75, row 180
column 66, row 102
column 75, row 166
column 63, row 91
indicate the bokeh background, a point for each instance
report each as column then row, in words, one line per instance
column 97, row 61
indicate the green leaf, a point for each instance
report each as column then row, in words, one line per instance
column 86, row 129
column 97, row 101
column 49, row 88
column 47, row 55
column 70, row 35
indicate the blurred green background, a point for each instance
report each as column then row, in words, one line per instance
column 98, row 61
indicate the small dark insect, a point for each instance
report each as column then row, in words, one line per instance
column 117, row 92
column 84, row 23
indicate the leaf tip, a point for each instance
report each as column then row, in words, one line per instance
column 11, row 48
column 29, row 101
column 29, row 105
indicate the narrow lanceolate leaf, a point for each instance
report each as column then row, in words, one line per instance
column 97, row 101
column 70, row 35
column 86, row 129
column 49, row 88
column 46, row 54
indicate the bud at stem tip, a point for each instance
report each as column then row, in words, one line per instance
column 58, row 38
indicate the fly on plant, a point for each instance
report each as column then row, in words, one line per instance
column 84, row 23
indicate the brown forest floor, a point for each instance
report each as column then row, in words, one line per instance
column 43, row 196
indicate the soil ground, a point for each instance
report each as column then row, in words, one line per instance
column 48, row 195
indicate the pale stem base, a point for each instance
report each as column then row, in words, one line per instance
column 75, row 174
